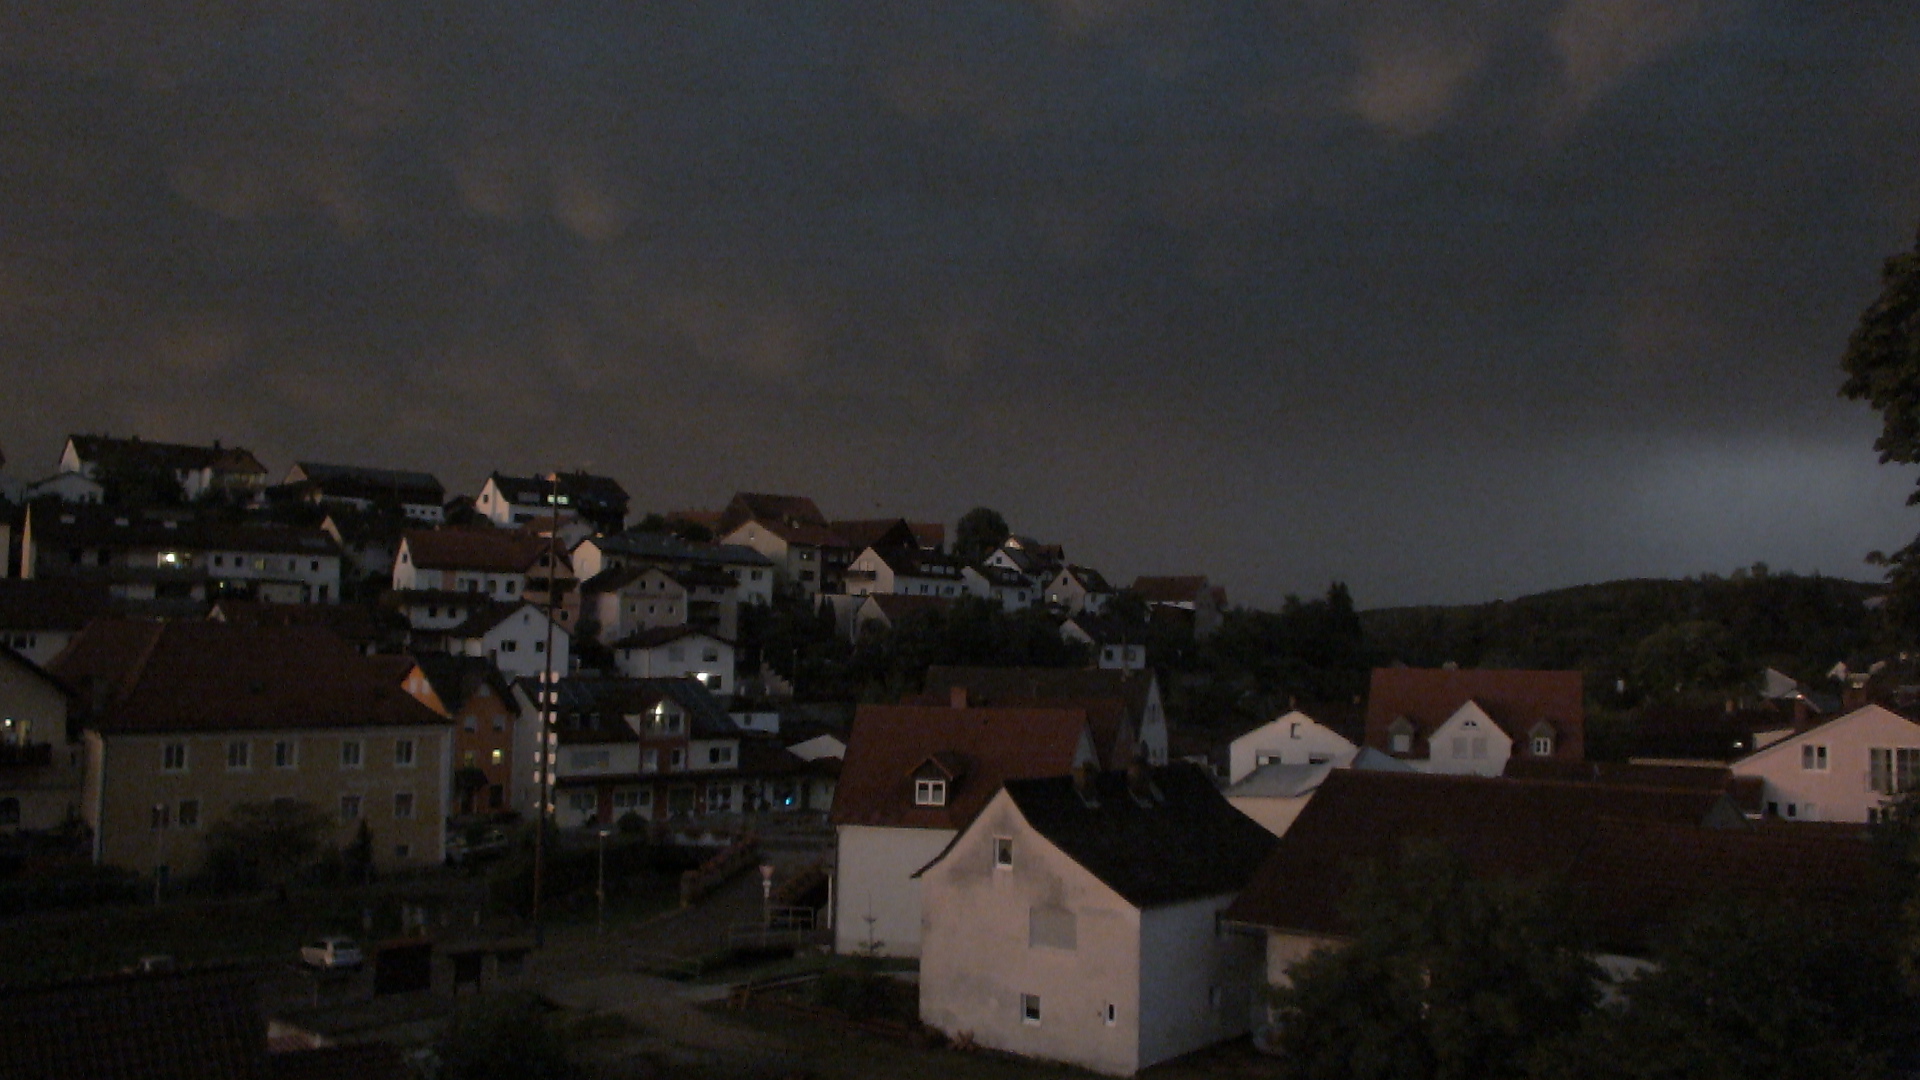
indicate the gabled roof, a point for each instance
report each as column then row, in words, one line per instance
column 1515, row 700
column 355, row 475
column 209, row 676
column 881, row 532
column 1172, row 839
column 889, row 742
column 487, row 551
column 668, row 548
column 1088, row 577
column 456, row 678
column 579, row 488
column 1107, row 630
column 912, row 562
column 931, row 535
column 52, row 603
column 1189, row 589
column 359, row 624
column 9, row 658
column 748, row 506
column 610, row 696
column 657, row 636
column 1001, row 577
column 896, row 606
column 804, row 533
column 177, row 457
column 185, row 1025
column 1586, row 835
column 1039, row 686
column 485, row 619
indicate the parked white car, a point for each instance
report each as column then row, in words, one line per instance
column 332, row 953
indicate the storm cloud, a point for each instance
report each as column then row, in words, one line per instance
column 1451, row 299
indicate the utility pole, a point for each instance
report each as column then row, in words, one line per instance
column 549, row 693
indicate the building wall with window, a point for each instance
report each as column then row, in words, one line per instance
column 151, row 798
column 1293, row 739
column 1469, row 743
column 40, row 773
column 1843, row 770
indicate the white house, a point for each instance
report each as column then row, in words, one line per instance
column 514, row 501
column 1470, row 721
column 1843, row 770
column 751, row 571
column 1078, row 588
column 514, row 637
column 1010, row 588
column 492, row 563
column 1114, row 646
column 1293, row 739
column 913, row 776
column 905, row 572
column 677, row 652
column 1076, row 919
column 1275, row 792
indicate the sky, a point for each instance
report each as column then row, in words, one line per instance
column 1451, row 300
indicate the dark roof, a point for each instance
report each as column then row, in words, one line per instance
column 359, row 1061
column 483, row 620
column 178, row 457
column 580, row 488
column 657, row 636
column 52, row 603
column 187, row 1025
column 111, row 527
column 888, row 742
column 1108, row 630
column 748, row 506
column 1179, row 840
column 455, row 678
column 1697, row 777
column 882, row 532
column 914, row 562
column 616, row 697
column 665, row 548
column 1515, row 700
column 1639, row 853
column 360, row 624
column 185, row 676
column 1171, row 590
column 1089, row 579
column 1039, row 686
column 354, row 482
column 896, row 606
column 1003, row 577
column 33, row 671
column 489, row 551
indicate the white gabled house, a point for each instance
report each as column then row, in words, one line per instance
column 1077, row 919
column 1293, row 739
column 1846, row 769
column 514, row 637
column 677, row 652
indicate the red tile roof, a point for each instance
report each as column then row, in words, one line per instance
column 51, row 603
column 753, row 506
column 186, row 676
column 489, row 551
column 1638, row 855
column 1516, row 700
column 888, row 742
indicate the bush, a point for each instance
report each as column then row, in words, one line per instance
column 858, row 992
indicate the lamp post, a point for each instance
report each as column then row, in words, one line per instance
column 600, row 887
column 766, row 896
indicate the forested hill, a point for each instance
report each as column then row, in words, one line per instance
column 1704, row 633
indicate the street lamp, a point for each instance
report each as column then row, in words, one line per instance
column 600, row 889
column 766, row 896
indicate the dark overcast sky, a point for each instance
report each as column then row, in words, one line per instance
column 1451, row 300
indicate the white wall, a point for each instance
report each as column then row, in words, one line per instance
column 1841, row 790
column 1468, row 744
column 1293, row 739
column 1198, row 981
column 874, row 878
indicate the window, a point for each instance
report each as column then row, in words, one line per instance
column 1262, row 760
column 402, row 851
column 1293, row 730
column 158, row 819
column 929, row 793
column 720, row 755
column 649, row 760
column 349, row 808
column 719, row 798
column 509, row 645
column 173, row 757
column 1111, row 1015
column 350, row 753
column 403, row 804
column 710, row 656
column 499, row 756
column 1319, row 759
column 590, row 759
column 541, row 646
column 403, row 753
column 1813, row 758
column 1893, row 770
column 1030, row 1008
column 189, row 815
column 679, row 759
column 1480, row 746
column 1542, row 745
column 1003, row 852
column 9, row 811
column 239, row 754
column 284, row 754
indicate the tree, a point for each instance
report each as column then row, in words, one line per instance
column 1882, row 363
column 1446, row 976
column 978, row 532
column 266, row 843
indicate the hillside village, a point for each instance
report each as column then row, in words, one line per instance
column 1103, row 824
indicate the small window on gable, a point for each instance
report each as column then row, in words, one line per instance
column 929, row 793
column 1542, row 745
column 1813, row 758
column 1030, row 1008
column 1003, row 852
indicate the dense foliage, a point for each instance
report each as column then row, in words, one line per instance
column 1882, row 363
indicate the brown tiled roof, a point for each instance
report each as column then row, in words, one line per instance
column 1180, row 841
column 1700, row 778
column 360, row 624
column 1516, row 700
column 888, row 742
column 881, row 532
column 456, row 678
column 1638, row 854
column 189, row 1025
column 754, row 506
column 931, row 535
column 1170, row 590
column 185, row 676
column 175, row 456
column 897, row 606
column 51, row 603
column 1039, row 686
column 489, row 551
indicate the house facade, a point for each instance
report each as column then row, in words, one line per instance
column 170, row 555
column 677, row 652
column 1471, row 721
column 1847, row 769
column 512, row 502
column 515, row 638
column 1293, row 739
column 41, row 770
column 485, row 716
column 1076, row 919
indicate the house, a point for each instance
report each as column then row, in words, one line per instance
column 170, row 555
column 1076, row 919
column 1640, row 857
column 886, row 611
column 1075, row 589
column 500, row 565
column 905, row 571
column 472, row 692
column 515, row 501
column 1124, row 708
column 1114, row 645
column 1011, row 589
column 913, row 777
column 1037, row 562
column 67, row 487
column 1448, row 720
column 40, row 763
column 879, row 533
column 182, row 721
column 677, row 652
column 1293, row 739
column 368, row 543
column 807, row 551
column 1847, row 769
column 1191, row 598
column 751, row 571
column 627, row 600
column 230, row 470
column 39, row 617
column 418, row 496
column 1274, row 793
column 514, row 636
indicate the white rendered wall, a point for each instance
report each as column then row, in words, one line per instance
column 875, row 879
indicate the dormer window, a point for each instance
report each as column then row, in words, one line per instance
column 1400, row 735
column 929, row 793
column 1540, row 740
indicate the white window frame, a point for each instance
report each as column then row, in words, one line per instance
column 173, row 757
column 405, row 753
column 1003, row 853
column 1030, row 1009
column 929, row 792
column 353, row 755
column 1813, row 757
column 286, row 754
column 240, row 755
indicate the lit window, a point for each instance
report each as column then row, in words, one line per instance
column 929, row 793
column 499, row 756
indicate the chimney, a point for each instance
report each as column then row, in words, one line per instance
column 1800, row 716
column 957, row 697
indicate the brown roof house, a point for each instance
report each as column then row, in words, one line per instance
column 913, row 776
column 1136, row 729
column 198, row 469
column 1471, row 721
column 1077, row 919
column 184, row 720
column 1637, row 857
column 1188, row 598
column 806, row 551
